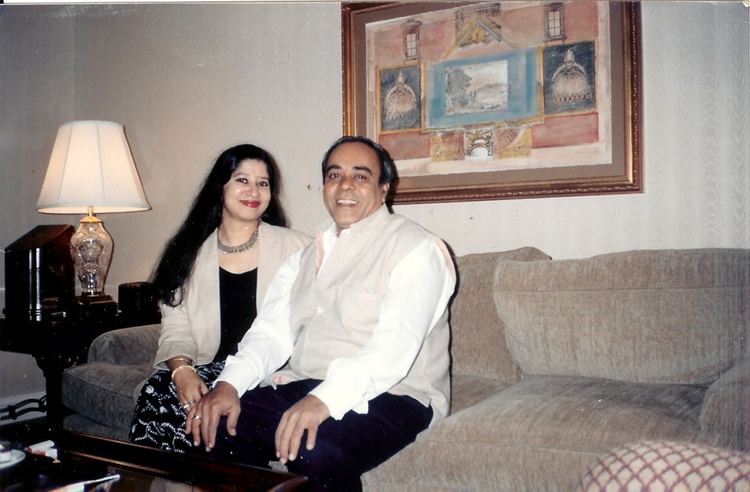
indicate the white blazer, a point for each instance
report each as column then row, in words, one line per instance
column 193, row 327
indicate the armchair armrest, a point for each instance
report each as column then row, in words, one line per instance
column 726, row 406
column 126, row 346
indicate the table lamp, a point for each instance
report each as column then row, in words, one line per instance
column 91, row 170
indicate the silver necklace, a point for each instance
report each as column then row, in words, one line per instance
column 229, row 250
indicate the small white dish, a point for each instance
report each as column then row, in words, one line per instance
column 16, row 456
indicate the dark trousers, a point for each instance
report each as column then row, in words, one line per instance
column 344, row 449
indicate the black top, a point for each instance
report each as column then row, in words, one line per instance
column 237, row 294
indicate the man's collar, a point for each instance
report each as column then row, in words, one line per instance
column 378, row 216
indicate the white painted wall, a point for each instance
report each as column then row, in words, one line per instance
column 189, row 80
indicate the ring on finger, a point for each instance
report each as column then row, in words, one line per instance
column 196, row 417
column 185, row 406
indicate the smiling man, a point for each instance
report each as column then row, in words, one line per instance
column 360, row 320
column 355, row 186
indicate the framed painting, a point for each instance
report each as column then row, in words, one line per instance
column 484, row 101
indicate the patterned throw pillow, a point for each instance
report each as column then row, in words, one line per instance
column 668, row 466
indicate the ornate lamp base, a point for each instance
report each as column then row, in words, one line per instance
column 91, row 249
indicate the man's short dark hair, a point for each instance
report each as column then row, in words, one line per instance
column 387, row 166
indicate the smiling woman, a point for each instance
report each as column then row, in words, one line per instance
column 246, row 197
column 231, row 243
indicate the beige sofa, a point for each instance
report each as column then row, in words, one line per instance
column 554, row 363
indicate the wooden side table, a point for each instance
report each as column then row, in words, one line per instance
column 57, row 344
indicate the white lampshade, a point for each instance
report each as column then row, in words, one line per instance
column 91, row 166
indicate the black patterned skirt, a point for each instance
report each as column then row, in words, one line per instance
column 159, row 420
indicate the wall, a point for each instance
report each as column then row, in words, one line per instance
column 36, row 91
column 190, row 80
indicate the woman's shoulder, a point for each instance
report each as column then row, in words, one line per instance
column 287, row 235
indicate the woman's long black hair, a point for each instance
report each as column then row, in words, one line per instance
column 177, row 259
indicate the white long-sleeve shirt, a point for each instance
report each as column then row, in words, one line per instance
column 418, row 292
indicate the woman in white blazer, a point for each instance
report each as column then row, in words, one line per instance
column 211, row 280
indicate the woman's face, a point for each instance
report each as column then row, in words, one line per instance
column 248, row 192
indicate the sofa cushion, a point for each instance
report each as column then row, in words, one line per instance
column 642, row 316
column 726, row 406
column 478, row 346
column 469, row 390
column 103, row 392
column 83, row 425
column 557, row 423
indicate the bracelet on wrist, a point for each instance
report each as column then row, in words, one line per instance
column 182, row 358
column 182, row 367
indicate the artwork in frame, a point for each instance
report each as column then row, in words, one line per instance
column 400, row 100
column 482, row 101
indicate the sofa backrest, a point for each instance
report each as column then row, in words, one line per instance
column 478, row 346
column 670, row 316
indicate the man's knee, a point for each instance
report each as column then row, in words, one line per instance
column 325, row 459
column 244, row 447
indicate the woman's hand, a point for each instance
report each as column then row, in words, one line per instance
column 190, row 387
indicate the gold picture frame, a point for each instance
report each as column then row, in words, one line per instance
column 560, row 115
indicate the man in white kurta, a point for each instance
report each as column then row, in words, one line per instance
column 358, row 320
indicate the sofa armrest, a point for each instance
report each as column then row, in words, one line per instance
column 726, row 406
column 126, row 346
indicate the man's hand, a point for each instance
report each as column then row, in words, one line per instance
column 305, row 415
column 203, row 418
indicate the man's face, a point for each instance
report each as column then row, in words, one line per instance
column 350, row 190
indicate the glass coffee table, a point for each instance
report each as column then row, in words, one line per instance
column 84, row 458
